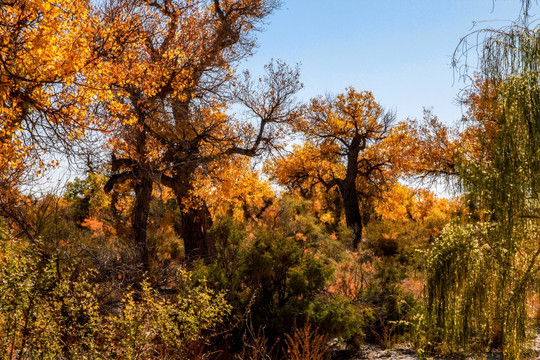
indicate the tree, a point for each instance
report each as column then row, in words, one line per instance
column 438, row 148
column 171, row 68
column 483, row 273
column 350, row 144
column 47, row 67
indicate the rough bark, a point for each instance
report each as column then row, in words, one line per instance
column 347, row 187
column 143, row 195
column 198, row 243
column 194, row 222
column 353, row 218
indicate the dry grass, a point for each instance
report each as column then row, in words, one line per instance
column 305, row 343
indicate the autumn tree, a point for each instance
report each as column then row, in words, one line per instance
column 352, row 144
column 48, row 62
column 479, row 137
column 438, row 148
column 172, row 70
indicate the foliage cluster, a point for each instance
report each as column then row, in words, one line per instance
column 45, row 315
column 277, row 274
column 283, row 268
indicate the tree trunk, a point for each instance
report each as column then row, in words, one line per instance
column 197, row 242
column 193, row 226
column 143, row 195
column 351, row 206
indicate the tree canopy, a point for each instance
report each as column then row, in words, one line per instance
column 351, row 144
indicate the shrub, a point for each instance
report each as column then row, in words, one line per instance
column 152, row 326
column 391, row 305
column 47, row 315
column 279, row 273
column 306, row 343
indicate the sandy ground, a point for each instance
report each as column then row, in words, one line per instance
column 404, row 352
column 376, row 352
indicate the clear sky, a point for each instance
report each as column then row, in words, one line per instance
column 399, row 49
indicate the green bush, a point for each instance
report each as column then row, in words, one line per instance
column 45, row 315
column 392, row 306
column 41, row 315
column 341, row 318
column 152, row 326
column 281, row 274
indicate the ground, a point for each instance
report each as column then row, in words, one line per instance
column 405, row 352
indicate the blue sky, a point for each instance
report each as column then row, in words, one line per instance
column 401, row 50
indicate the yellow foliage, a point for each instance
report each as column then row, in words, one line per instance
column 346, row 138
column 401, row 203
column 45, row 79
column 232, row 187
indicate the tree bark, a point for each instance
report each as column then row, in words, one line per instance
column 141, row 175
column 193, row 224
column 353, row 218
column 347, row 187
column 143, row 195
column 198, row 243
